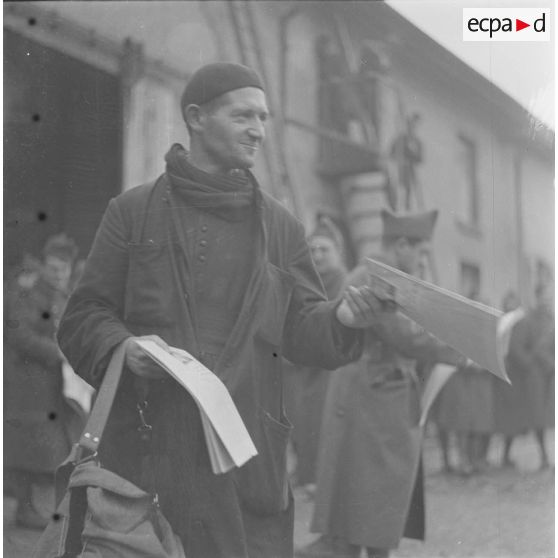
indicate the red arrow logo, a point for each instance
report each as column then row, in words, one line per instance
column 519, row 25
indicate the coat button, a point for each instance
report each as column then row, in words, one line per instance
column 203, row 242
column 204, row 228
column 201, row 257
column 340, row 413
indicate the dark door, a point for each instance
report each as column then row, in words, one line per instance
column 62, row 146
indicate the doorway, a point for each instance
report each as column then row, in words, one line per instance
column 62, row 147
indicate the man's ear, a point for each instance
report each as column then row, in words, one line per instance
column 193, row 116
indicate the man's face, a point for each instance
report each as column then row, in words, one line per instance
column 57, row 272
column 232, row 130
column 410, row 254
column 325, row 254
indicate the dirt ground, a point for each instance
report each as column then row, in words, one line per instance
column 499, row 514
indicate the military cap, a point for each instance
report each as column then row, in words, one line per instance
column 61, row 246
column 214, row 80
column 417, row 226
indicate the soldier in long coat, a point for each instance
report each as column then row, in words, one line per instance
column 203, row 260
column 465, row 407
column 527, row 405
column 370, row 483
column 39, row 427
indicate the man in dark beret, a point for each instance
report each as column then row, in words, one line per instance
column 370, row 484
column 202, row 259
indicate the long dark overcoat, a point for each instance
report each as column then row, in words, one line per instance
column 370, row 482
column 528, row 403
column 135, row 282
column 466, row 403
column 37, row 421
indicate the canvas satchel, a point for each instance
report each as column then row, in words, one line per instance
column 100, row 514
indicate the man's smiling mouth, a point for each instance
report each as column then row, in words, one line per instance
column 251, row 146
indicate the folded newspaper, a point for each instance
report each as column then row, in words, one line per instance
column 77, row 392
column 469, row 327
column 228, row 442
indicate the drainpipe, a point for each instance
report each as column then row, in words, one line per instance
column 517, row 182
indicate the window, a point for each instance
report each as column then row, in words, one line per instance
column 466, row 183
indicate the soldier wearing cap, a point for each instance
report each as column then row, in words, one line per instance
column 370, row 487
column 204, row 260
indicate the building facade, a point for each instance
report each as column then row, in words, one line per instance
column 367, row 112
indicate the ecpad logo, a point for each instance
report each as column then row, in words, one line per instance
column 506, row 24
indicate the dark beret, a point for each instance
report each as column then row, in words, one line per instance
column 213, row 80
column 419, row 226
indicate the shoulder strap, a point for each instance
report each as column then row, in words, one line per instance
column 91, row 436
column 139, row 224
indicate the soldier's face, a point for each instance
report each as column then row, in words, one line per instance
column 325, row 254
column 410, row 255
column 57, row 272
column 232, row 129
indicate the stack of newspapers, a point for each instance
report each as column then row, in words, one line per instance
column 228, row 442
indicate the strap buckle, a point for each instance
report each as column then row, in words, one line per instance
column 144, row 428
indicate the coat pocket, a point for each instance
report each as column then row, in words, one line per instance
column 395, row 405
column 262, row 483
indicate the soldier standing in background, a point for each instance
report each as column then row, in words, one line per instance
column 370, row 482
column 39, row 427
column 528, row 404
column 465, row 407
column 308, row 386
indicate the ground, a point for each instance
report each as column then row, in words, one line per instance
column 499, row 514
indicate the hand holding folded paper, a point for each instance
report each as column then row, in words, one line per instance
column 362, row 306
column 228, row 442
column 469, row 327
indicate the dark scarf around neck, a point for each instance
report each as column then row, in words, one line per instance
column 230, row 197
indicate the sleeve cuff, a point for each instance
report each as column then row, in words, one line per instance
column 348, row 341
